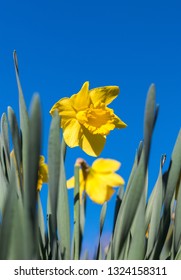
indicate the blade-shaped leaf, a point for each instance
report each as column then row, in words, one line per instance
column 102, row 221
column 76, row 214
column 151, row 112
column 177, row 229
column 174, row 172
column 16, row 142
column 54, row 171
column 63, row 216
column 5, row 143
column 12, row 235
column 126, row 212
column 137, row 241
column 156, row 213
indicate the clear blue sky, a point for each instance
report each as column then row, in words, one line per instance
column 61, row 44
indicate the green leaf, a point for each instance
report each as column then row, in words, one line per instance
column 54, row 173
column 102, row 221
column 119, row 199
column 12, row 235
column 137, row 239
column 63, row 148
column 126, row 213
column 167, row 247
column 155, row 214
column 41, row 226
column 178, row 256
column 35, row 144
column 3, row 189
column 16, row 142
column 63, row 215
column 25, row 128
column 76, row 214
column 102, row 216
column 5, row 144
column 177, row 229
column 174, row 172
column 27, row 125
column 122, row 197
column 83, row 205
column 151, row 112
column 4, row 133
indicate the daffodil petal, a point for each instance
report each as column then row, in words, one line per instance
column 41, row 160
column 64, row 108
column 97, row 190
column 104, row 94
column 92, row 144
column 118, row 122
column 112, row 179
column 102, row 165
column 70, row 183
column 43, row 170
column 39, row 184
column 81, row 100
column 71, row 132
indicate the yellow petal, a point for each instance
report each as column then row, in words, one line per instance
column 81, row 100
column 43, row 173
column 70, row 183
column 111, row 179
column 118, row 122
column 39, row 184
column 92, row 144
column 97, row 190
column 102, row 165
column 41, row 160
column 104, row 94
column 72, row 132
column 64, row 108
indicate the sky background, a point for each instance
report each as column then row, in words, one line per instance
column 61, row 44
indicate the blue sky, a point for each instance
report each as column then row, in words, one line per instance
column 61, row 44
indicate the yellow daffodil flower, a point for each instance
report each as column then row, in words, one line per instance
column 98, row 180
column 85, row 118
column 42, row 173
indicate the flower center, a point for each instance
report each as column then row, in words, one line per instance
column 99, row 120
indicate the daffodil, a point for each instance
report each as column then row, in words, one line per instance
column 42, row 173
column 85, row 118
column 98, row 180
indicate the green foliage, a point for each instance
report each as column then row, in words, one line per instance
column 143, row 228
